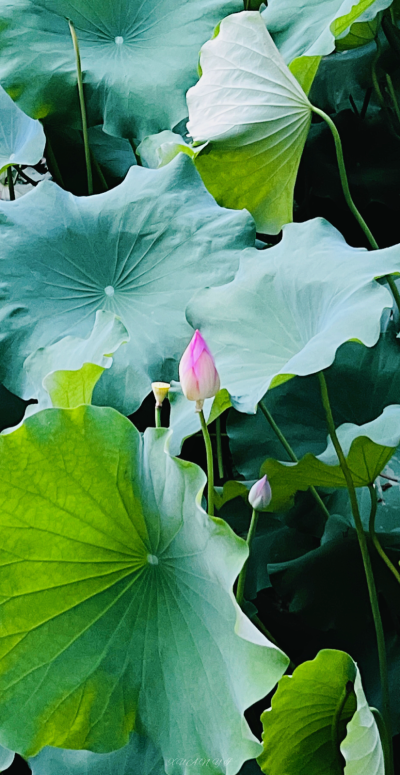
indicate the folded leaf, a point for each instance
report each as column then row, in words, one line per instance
column 22, row 139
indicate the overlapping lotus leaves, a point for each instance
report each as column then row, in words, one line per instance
column 138, row 757
column 309, row 28
column 140, row 251
column 368, row 448
column 256, row 117
column 303, row 712
column 290, row 307
column 64, row 374
column 139, row 57
column 157, row 150
column 362, row 381
column 185, row 421
column 117, row 602
column 22, row 139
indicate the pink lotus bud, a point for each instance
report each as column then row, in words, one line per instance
column 197, row 373
column 260, row 494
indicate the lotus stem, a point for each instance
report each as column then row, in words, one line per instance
column 83, row 108
column 210, row 464
column 243, row 572
column 220, row 458
column 10, row 182
column 374, row 538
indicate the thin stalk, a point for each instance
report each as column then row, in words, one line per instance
column 243, row 573
column 374, row 76
column 10, row 182
column 374, row 537
column 373, row 596
column 220, row 458
column 268, row 416
column 158, row 416
column 349, row 200
column 335, row 728
column 393, row 96
column 83, row 108
column 386, row 742
column 210, row 464
column 54, row 168
column 99, row 172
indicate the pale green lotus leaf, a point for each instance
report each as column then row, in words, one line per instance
column 157, row 150
column 6, row 758
column 368, row 448
column 138, row 757
column 117, row 604
column 290, row 307
column 185, row 421
column 22, row 139
column 309, row 27
column 64, row 374
column 139, row 57
column 139, row 251
column 303, row 712
column 256, row 117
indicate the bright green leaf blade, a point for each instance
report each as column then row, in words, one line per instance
column 256, row 131
column 368, row 448
column 22, row 139
column 290, row 307
column 139, row 251
column 309, row 27
column 64, row 374
column 138, row 59
column 360, row 34
column 117, row 603
column 302, row 714
column 304, row 70
column 185, row 421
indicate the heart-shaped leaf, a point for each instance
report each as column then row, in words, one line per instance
column 117, row 598
column 303, row 714
column 139, row 57
column 139, row 251
column 22, row 139
column 290, row 307
column 256, row 117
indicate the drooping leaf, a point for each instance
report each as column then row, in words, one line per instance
column 307, row 28
column 138, row 59
column 184, row 420
column 256, row 118
column 22, row 139
column 157, row 150
column 290, row 307
column 117, row 598
column 303, row 712
column 139, row 251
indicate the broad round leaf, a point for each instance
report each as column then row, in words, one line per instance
column 309, row 27
column 290, row 307
column 140, row 251
column 303, row 711
column 116, row 591
column 256, row 117
column 139, row 57
column 22, row 139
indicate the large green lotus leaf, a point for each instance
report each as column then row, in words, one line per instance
column 116, row 591
column 290, row 307
column 368, row 448
column 362, row 381
column 185, row 421
column 22, row 139
column 64, row 374
column 139, row 251
column 139, row 57
column 256, row 117
column 139, row 757
column 302, row 714
column 309, row 27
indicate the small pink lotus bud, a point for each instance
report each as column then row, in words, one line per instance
column 260, row 494
column 197, row 373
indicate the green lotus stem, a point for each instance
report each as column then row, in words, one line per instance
column 210, row 464
column 83, row 108
column 268, row 416
column 243, row 572
column 220, row 458
column 374, row 538
column 99, row 172
column 10, row 182
column 393, row 96
column 158, row 416
column 52, row 161
column 373, row 596
column 349, row 200
column 375, row 81
column 386, row 742
column 335, row 729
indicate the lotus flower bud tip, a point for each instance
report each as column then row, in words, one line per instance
column 260, row 494
column 160, row 391
column 197, row 372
